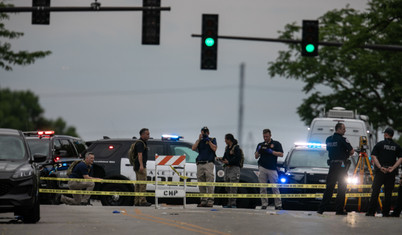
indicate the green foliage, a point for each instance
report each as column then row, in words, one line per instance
column 365, row 80
column 21, row 110
column 8, row 57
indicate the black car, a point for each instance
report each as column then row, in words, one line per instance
column 111, row 162
column 19, row 177
column 60, row 152
column 306, row 163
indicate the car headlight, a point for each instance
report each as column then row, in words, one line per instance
column 352, row 180
column 23, row 172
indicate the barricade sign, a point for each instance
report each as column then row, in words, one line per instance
column 163, row 191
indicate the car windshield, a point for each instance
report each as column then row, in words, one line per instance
column 181, row 150
column 39, row 146
column 11, row 148
column 308, row 158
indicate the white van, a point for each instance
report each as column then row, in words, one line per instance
column 356, row 126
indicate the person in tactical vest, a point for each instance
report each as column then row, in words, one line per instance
column 139, row 153
column 339, row 150
column 206, row 147
column 82, row 170
column 384, row 155
column 232, row 162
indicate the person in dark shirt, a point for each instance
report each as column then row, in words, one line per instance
column 206, row 147
column 140, row 166
column 384, row 155
column 267, row 154
column 339, row 150
column 82, row 170
column 231, row 159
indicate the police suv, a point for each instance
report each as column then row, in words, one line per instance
column 19, row 177
column 60, row 152
column 306, row 163
column 112, row 162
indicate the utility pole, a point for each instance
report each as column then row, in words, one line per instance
column 241, row 104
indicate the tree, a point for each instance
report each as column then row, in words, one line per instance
column 365, row 80
column 21, row 110
column 8, row 57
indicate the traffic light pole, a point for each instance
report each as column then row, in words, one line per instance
column 94, row 8
column 336, row 44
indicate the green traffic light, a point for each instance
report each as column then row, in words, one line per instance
column 209, row 42
column 310, row 48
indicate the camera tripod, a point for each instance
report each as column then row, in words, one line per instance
column 363, row 160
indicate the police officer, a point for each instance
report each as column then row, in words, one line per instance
column 140, row 167
column 339, row 150
column 82, row 170
column 206, row 147
column 398, row 208
column 267, row 154
column 232, row 159
column 384, row 156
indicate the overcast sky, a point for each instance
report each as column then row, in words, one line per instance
column 100, row 79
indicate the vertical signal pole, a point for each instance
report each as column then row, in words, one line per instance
column 241, row 103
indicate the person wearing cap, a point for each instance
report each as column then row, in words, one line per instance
column 384, row 155
column 267, row 153
column 206, row 147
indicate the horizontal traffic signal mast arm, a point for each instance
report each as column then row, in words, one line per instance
column 31, row 9
column 337, row 44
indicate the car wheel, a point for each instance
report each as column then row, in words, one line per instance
column 250, row 203
column 116, row 200
column 29, row 214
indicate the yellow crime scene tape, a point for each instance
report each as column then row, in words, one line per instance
column 181, row 176
column 218, row 184
column 151, row 194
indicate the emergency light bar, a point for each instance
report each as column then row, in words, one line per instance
column 171, row 137
column 45, row 132
column 311, row 145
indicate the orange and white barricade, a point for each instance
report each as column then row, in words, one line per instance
column 167, row 191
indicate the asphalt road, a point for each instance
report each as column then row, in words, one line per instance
column 77, row 220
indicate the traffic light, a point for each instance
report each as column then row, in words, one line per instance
column 310, row 38
column 151, row 21
column 209, row 41
column 40, row 16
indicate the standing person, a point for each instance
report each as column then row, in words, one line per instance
column 267, row 154
column 384, row 156
column 398, row 208
column 139, row 154
column 339, row 150
column 232, row 159
column 82, row 170
column 206, row 147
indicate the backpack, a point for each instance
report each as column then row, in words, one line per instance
column 132, row 155
column 72, row 166
column 241, row 154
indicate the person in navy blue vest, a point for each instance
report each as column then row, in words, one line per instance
column 206, row 147
column 82, row 170
column 339, row 150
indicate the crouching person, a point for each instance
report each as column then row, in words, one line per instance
column 82, row 170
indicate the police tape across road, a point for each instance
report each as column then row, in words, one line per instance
column 219, row 184
column 149, row 194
